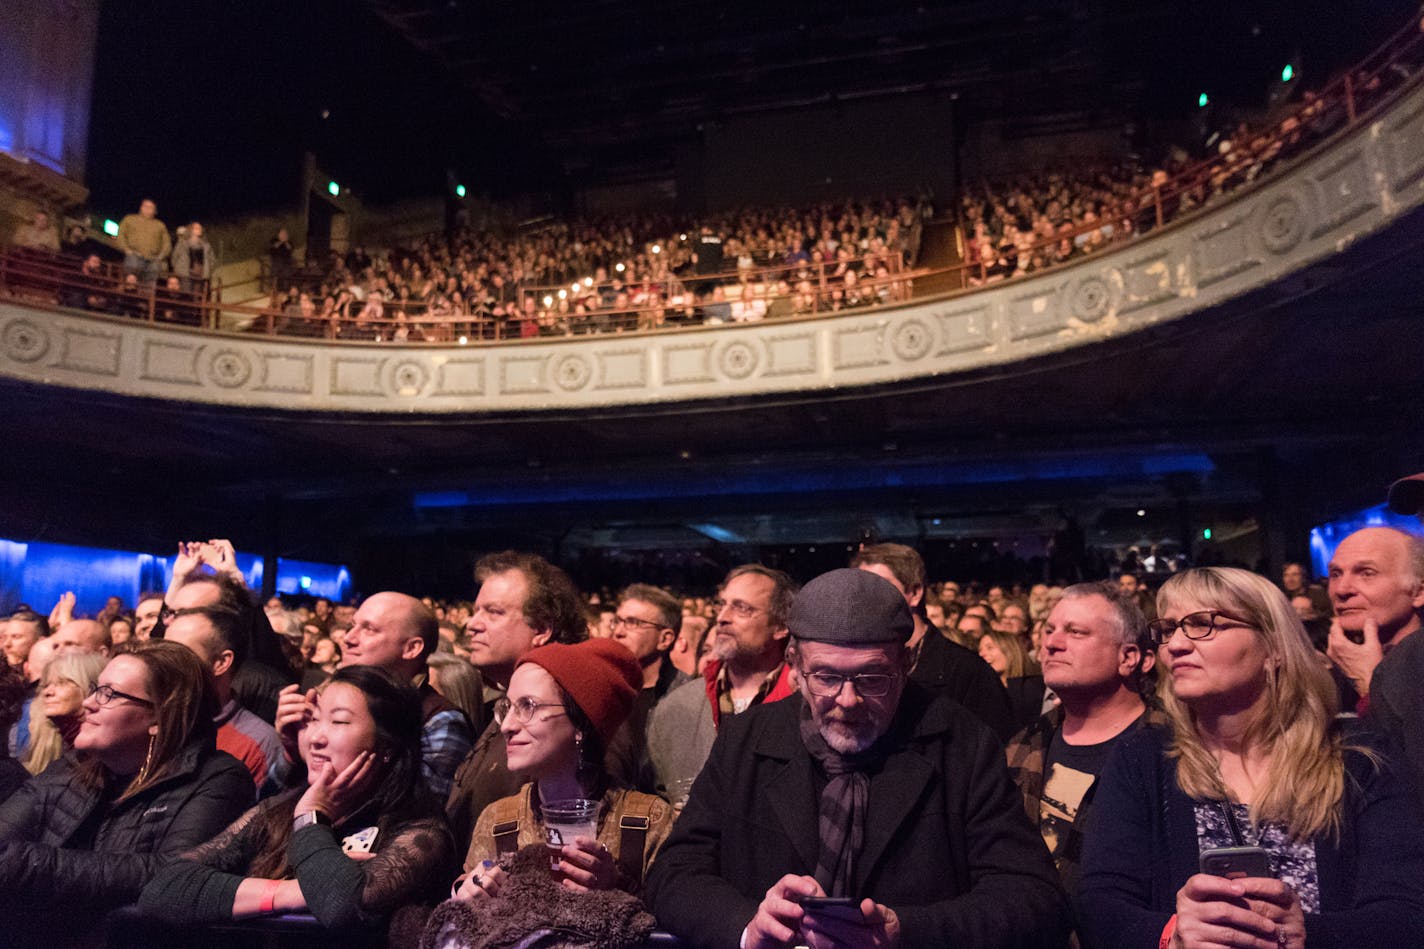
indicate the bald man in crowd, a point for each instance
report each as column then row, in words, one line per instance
column 83, row 636
column 39, row 658
column 394, row 632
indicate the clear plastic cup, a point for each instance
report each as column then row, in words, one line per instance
column 565, row 820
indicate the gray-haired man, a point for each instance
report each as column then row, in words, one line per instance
column 862, row 787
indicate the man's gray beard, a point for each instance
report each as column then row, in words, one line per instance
column 847, row 741
column 725, row 649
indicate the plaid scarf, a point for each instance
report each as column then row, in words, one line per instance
column 843, row 806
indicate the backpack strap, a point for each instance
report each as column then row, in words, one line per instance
column 506, row 825
column 633, row 833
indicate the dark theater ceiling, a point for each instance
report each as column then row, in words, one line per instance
column 625, row 71
column 619, row 69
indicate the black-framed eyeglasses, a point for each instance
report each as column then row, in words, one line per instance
column 870, row 685
column 168, row 614
column 635, row 623
column 105, row 695
column 740, row 608
column 1202, row 624
column 524, row 709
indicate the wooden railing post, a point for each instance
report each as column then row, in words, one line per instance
column 1350, row 98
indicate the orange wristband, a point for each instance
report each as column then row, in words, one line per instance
column 269, row 897
column 1167, row 932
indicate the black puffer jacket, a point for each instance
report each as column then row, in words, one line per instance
column 50, row 886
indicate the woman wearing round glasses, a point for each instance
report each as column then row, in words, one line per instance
column 563, row 705
column 1258, row 819
column 143, row 783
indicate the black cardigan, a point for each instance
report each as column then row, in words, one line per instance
column 1141, row 847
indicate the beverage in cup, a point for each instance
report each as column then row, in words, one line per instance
column 566, row 820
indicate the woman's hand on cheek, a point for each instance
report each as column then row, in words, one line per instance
column 339, row 794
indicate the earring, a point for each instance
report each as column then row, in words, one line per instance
column 578, row 739
column 147, row 761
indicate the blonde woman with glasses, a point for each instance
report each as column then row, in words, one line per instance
column 1259, row 819
column 60, row 706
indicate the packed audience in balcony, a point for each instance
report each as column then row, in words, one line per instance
column 1194, row 755
column 617, row 274
column 642, row 272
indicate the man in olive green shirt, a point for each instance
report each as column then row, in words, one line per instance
column 145, row 242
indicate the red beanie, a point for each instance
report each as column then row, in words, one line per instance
column 600, row 675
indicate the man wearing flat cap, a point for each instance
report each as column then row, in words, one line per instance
column 866, row 788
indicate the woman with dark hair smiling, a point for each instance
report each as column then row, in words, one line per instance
column 143, row 783
column 362, row 839
column 563, row 705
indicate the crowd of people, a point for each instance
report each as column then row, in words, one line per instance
column 159, row 279
column 1016, row 227
column 644, row 271
column 611, row 274
column 1022, row 225
column 868, row 759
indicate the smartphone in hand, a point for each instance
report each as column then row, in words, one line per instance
column 834, row 907
column 1236, row 862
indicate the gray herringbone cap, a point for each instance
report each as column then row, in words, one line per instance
column 850, row 607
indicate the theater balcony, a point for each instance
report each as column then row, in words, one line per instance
column 1254, row 251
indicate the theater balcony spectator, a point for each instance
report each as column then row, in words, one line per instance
column 39, row 235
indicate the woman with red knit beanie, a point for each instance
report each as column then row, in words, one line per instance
column 563, row 705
